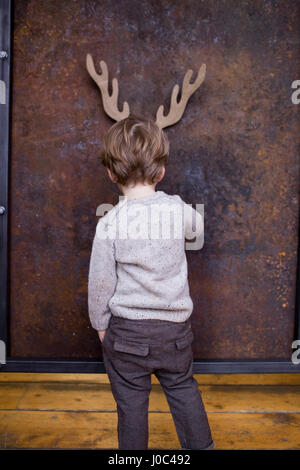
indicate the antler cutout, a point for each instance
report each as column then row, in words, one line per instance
column 110, row 102
column 177, row 108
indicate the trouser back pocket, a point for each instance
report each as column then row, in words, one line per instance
column 184, row 353
column 129, row 356
column 131, row 347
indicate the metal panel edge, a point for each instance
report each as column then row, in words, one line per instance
column 5, row 65
column 204, row 367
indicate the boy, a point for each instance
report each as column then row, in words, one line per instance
column 138, row 293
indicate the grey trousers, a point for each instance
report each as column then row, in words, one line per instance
column 132, row 351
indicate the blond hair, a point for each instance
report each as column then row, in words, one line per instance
column 135, row 150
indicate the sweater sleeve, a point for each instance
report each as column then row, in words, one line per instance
column 102, row 279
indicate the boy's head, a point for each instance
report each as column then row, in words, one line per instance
column 135, row 151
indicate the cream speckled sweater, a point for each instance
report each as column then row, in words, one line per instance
column 136, row 272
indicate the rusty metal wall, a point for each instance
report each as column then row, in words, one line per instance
column 236, row 151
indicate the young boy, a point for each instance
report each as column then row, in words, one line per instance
column 138, row 292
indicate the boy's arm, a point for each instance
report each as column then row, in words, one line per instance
column 102, row 280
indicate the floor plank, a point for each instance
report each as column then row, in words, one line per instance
column 98, row 397
column 207, row 379
column 78, row 411
column 65, row 430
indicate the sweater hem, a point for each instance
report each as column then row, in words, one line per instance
column 176, row 318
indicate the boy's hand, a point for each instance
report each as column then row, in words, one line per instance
column 101, row 334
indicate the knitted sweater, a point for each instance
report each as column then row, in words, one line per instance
column 138, row 265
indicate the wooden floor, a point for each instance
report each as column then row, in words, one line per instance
column 78, row 411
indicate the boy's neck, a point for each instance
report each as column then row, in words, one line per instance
column 139, row 190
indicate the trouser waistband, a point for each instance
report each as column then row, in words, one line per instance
column 155, row 321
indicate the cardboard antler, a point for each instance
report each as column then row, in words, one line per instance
column 110, row 102
column 177, row 108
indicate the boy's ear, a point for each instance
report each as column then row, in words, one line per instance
column 162, row 174
column 111, row 176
